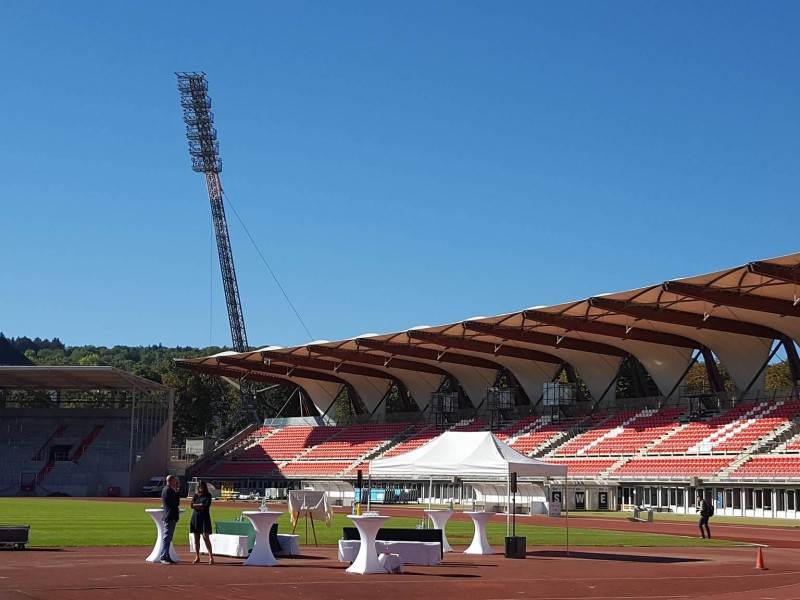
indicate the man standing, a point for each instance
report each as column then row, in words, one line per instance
column 706, row 511
column 170, row 503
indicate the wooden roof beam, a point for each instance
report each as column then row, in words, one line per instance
column 610, row 329
column 377, row 360
column 543, row 339
column 735, row 299
column 323, row 365
column 454, row 341
column 428, row 354
column 233, row 373
column 787, row 273
column 250, row 366
column 679, row 317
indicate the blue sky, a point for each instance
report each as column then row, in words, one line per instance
column 397, row 164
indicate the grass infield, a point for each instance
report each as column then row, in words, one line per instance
column 78, row 522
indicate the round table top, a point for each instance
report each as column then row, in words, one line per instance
column 482, row 514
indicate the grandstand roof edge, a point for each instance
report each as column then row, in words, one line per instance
column 792, row 260
column 74, row 378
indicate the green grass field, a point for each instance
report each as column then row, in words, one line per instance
column 73, row 522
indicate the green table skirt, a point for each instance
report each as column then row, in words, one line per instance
column 238, row 528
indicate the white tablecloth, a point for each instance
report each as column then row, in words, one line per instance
column 411, row 553
column 391, row 562
column 223, row 545
column 236, row 545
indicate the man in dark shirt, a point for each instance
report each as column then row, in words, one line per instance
column 704, row 506
column 170, row 503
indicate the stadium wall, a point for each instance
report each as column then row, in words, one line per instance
column 77, row 452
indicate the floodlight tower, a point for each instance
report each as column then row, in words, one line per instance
column 204, row 150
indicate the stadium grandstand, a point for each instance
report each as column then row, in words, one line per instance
column 81, row 431
column 546, row 380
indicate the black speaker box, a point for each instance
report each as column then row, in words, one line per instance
column 516, row 546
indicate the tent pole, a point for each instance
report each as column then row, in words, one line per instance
column 508, row 504
column 369, row 490
column 430, row 493
column 566, row 506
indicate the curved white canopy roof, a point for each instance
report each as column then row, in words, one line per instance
column 735, row 315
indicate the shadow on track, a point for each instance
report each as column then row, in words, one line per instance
column 637, row 558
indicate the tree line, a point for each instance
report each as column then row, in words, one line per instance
column 204, row 405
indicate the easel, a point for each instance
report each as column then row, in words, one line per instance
column 313, row 529
column 308, row 502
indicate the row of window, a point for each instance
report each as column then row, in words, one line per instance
column 724, row 498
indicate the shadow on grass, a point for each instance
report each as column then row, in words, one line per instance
column 636, row 558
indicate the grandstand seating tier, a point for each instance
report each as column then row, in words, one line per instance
column 636, row 440
column 769, row 467
column 671, row 467
column 731, row 432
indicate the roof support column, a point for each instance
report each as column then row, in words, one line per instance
column 381, row 402
column 406, row 397
column 792, row 358
column 714, row 377
column 611, row 384
column 683, row 376
column 639, row 378
column 330, row 406
column 761, row 370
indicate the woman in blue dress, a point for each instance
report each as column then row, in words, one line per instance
column 201, row 521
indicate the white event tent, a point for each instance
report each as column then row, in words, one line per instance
column 477, row 455
column 467, row 455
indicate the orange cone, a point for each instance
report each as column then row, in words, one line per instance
column 760, row 560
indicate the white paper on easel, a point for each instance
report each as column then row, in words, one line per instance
column 312, row 503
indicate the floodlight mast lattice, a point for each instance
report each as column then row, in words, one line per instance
column 204, row 151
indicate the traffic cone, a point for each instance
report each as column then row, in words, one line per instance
column 760, row 560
